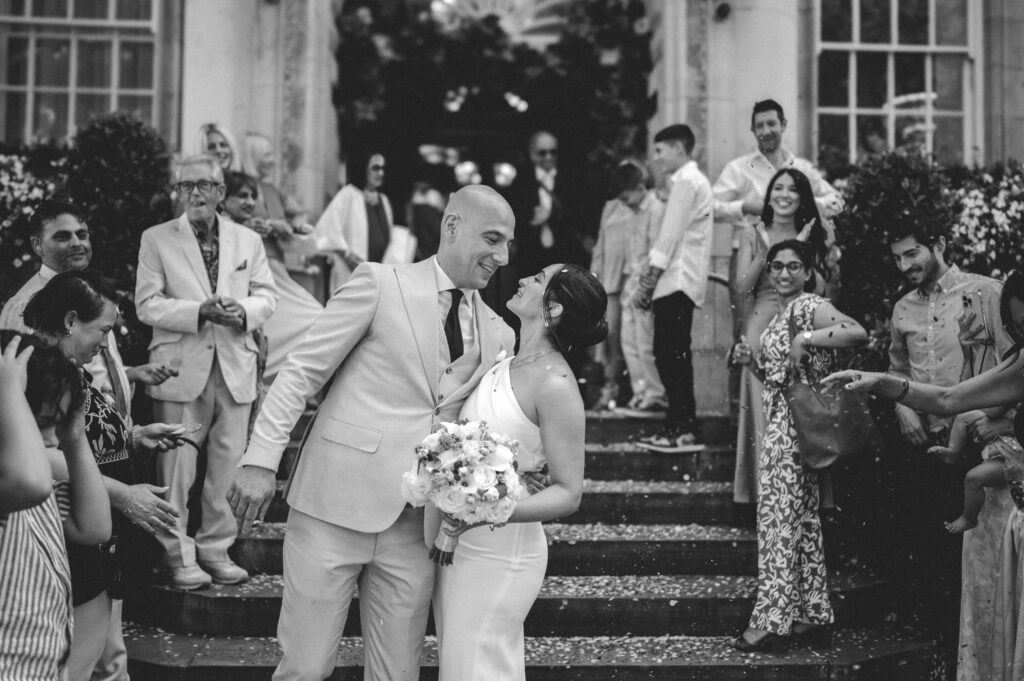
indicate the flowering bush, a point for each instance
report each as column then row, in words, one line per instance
column 988, row 236
column 468, row 473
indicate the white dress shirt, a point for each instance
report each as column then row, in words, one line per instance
column 444, row 303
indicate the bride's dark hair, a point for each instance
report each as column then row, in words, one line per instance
column 584, row 301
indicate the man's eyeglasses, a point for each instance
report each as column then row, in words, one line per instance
column 204, row 186
column 547, row 152
column 792, row 267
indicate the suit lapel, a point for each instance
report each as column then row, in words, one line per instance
column 226, row 259
column 488, row 331
column 190, row 248
column 418, row 288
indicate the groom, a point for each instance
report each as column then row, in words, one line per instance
column 405, row 346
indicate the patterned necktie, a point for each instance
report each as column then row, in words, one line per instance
column 452, row 328
column 120, row 395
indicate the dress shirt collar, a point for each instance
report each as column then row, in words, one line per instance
column 787, row 158
column 46, row 273
column 445, row 283
column 650, row 198
column 199, row 229
column 945, row 282
column 684, row 170
column 545, row 176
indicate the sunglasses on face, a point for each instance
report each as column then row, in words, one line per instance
column 793, row 267
column 547, row 152
column 377, row 168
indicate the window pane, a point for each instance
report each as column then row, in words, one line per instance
column 948, row 72
column 16, row 72
column 909, row 70
column 12, row 112
column 51, row 118
column 914, row 22
column 14, row 8
column 135, row 9
column 836, row 22
column 871, row 79
column 910, row 131
column 52, row 61
column 833, row 78
column 139, row 105
column 872, row 136
column 88, row 107
column 92, row 9
column 136, row 65
column 833, row 136
column 50, row 8
column 951, row 22
column 949, row 139
column 874, row 21
column 94, row 63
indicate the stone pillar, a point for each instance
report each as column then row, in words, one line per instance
column 1004, row 79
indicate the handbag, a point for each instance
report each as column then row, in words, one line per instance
column 830, row 426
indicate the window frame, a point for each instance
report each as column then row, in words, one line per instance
column 972, row 85
column 111, row 31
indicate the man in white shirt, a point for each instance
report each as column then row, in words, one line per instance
column 675, row 280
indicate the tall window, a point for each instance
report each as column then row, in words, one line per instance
column 66, row 61
column 898, row 73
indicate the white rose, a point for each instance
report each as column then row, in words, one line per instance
column 416, row 487
column 452, row 501
column 483, row 476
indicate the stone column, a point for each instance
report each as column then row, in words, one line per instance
column 1004, row 79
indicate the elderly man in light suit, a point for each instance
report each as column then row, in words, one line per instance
column 403, row 360
column 204, row 285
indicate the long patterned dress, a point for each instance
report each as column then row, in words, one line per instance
column 791, row 580
column 1008, row 613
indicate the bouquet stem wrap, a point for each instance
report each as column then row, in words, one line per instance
column 443, row 550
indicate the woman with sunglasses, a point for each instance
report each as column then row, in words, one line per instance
column 356, row 226
column 790, row 212
column 792, row 591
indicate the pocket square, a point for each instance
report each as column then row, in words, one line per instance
column 245, row 263
column 500, row 356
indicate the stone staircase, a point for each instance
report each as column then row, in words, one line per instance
column 647, row 581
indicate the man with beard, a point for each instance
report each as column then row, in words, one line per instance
column 947, row 328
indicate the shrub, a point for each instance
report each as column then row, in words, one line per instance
column 26, row 178
column 988, row 236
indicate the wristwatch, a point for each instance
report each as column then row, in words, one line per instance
column 807, row 337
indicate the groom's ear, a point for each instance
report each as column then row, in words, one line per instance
column 449, row 224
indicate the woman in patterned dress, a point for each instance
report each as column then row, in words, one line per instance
column 792, row 590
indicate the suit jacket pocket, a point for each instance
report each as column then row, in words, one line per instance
column 349, row 434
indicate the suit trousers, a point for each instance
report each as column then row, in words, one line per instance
column 323, row 563
column 224, row 430
column 97, row 645
column 673, row 319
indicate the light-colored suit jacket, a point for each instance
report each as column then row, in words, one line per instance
column 379, row 338
column 170, row 286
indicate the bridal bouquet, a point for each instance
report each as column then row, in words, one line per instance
column 469, row 473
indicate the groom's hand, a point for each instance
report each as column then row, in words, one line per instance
column 250, row 495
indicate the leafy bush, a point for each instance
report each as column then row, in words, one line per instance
column 988, row 236
column 26, row 178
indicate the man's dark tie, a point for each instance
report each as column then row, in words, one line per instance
column 120, row 394
column 452, row 328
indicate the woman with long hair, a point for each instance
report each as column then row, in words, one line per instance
column 790, row 212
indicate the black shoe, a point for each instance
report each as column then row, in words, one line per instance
column 770, row 643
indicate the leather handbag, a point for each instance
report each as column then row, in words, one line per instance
column 830, row 425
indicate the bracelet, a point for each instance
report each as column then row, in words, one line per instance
column 903, row 393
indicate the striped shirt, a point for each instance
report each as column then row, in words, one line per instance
column 35, row 591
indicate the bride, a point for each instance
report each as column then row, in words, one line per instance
column 481, row 600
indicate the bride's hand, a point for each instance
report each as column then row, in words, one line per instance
column 454, row 527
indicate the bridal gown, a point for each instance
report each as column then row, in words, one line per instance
column 481, row 600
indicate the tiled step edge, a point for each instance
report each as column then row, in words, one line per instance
column 856, row 655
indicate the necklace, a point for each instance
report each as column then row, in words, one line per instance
column 530, row 359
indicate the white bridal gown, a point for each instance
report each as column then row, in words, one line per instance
column 481, row 600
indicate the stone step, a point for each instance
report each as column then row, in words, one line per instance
column 625, row 501
column 604, row 427
column 614, row 605
column 629, row 461
column 855, row 655
column 581, row 549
